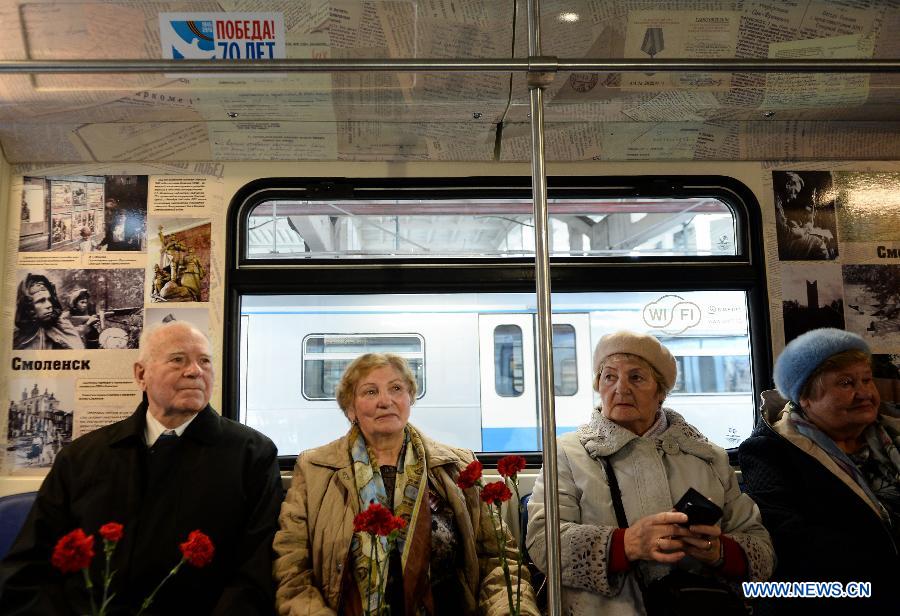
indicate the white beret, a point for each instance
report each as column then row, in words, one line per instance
column 644, row 346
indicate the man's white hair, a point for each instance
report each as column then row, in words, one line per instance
column 149, row 334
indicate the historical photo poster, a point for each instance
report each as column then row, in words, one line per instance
column 78, row 309
column 40, row 421
column 812, row 297
column 86, row 213
column 872, row 294
column 805, row 215
column 179, row 260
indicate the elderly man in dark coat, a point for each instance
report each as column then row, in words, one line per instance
column 174, row 466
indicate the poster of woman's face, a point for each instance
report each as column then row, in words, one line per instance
column 805, row 215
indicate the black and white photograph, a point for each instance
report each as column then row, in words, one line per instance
column 78, row 309
column 805, row 215
column 812, row 297
column 125, row 213
column 86, row 213
column 873, row 302
column 41, row 413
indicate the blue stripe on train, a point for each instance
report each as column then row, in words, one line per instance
column 515, row 439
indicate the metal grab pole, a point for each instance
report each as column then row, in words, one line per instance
column 536, row 84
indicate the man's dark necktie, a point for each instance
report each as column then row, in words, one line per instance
column 162, row 454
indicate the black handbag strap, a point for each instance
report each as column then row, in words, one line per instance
column 651, row 606
column 615, row 493
column 621, row 519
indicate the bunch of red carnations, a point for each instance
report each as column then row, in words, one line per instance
column 378, row 521
column 494, row 494
column 75, row 551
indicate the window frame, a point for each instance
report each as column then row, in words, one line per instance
column 558, row 373
column 413, row 335
column 744, row 271
column 497, row 373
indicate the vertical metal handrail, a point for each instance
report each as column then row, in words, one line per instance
column 536, row 84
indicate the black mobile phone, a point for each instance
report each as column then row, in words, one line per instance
column 699, row 509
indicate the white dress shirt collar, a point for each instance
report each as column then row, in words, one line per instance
column 153, row 428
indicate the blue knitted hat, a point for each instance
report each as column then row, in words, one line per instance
column 805, row 353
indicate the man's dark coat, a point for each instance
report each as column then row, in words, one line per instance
column 221, row 478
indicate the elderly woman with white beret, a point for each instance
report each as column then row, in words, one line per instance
column 824, row 467
column 656, row 456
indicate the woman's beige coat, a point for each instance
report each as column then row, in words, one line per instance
column 653, row 473
column 317, row 527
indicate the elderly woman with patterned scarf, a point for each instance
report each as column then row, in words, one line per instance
column 655, row 456
column 824, row 468
column 446, row 560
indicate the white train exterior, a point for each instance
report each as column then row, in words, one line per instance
column 474, row 360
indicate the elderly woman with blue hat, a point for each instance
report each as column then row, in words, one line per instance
column 824, row 468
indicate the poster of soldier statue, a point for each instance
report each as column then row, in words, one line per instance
column 78, row 309
column 178, row 260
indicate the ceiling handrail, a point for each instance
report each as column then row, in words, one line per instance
column 425, row 65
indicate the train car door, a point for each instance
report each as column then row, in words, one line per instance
column 509, row 414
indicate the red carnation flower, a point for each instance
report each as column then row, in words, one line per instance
column 73, row 552
column 495, row 493
column 111, row 531
column 198, row 550
column 470, row 475
column 509, row 466
column 377, row 520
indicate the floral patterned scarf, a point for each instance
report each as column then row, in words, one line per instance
column 877, row 439
column 409, row 492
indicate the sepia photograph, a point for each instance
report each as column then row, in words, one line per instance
column 78, row 309
column 812, row 297
column 40, row 421
column 805, row 215
column 178, row 260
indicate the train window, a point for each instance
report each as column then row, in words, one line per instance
column 336, row 267
column 565, row 367
column 509, row 372
column 325, row 356
column 480, row 368
column 439, row 228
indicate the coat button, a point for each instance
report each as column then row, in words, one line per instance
column 670, row 446
column 340, row 567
